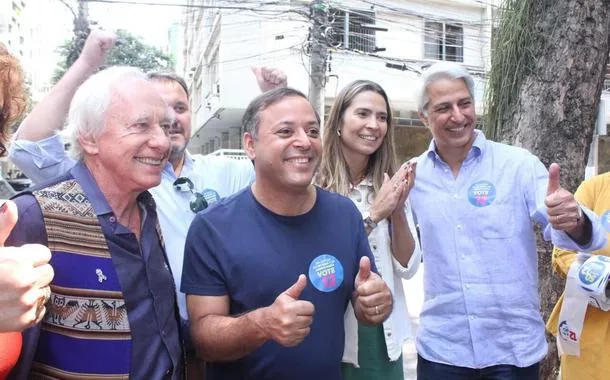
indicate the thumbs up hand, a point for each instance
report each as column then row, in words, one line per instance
column 288, row 319
column 25, row 275
column 372, row 299
column 564, row 212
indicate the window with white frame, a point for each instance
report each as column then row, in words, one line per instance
column 212, row 74
column 350, row 31
column 443, row 41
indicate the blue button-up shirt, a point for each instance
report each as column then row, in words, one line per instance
column 143, row 272
column 481, row 305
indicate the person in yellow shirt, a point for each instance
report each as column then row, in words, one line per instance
column 592, row 364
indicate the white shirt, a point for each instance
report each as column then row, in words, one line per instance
column 397, row 328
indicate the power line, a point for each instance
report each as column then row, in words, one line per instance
column 182, row 5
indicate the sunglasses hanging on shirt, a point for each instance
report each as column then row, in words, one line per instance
column 201, row 199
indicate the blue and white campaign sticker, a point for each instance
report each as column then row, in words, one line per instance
column 481, row 194
column 603, row 258
column 211, row 196
column 590, row 272
column 326, row 273
column 606, row 220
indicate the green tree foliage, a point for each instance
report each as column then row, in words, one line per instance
column 129, row 52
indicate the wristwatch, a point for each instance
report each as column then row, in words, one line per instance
column 368, row 221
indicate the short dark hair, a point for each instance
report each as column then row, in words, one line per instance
column 167, row 76
column 251, row 117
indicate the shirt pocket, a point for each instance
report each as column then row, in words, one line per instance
column 496, row 221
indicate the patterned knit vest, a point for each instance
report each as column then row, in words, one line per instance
column 85, row 333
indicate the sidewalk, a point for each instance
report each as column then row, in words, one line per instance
column 414, row 293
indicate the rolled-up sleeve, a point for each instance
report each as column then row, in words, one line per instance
column 41, row 160
column 415, row 259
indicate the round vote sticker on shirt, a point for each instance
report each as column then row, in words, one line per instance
column 211, row 196
column 590, row 272
column 481, row 194
column 606, row 220
column 326, row 273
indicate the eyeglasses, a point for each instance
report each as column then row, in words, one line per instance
column 185, row 184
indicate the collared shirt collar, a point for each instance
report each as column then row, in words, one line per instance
column 85, row 179
column 367, row 181
column 187, row 167
column 477, row 149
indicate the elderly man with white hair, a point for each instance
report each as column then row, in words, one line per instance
column 112, row 311
column 481, row 315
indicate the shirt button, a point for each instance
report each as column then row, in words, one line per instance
column 374, row 247
column 389, row 334
column 456, row 196
column 472, row 317
column 459, row 227
column 467, row 286
column 112, row 219
column 463, row 257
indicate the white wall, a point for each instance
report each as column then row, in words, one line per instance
column 252, row 39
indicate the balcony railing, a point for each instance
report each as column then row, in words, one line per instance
column 236, row 154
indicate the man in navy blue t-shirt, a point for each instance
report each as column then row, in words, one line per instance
column 269, row 271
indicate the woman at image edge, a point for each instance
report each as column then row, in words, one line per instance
column 359, row 162
column 12, row 106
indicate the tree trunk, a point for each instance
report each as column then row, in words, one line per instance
column 554, row 112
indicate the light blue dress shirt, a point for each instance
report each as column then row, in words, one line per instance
column 211, row 175
column 481, row 305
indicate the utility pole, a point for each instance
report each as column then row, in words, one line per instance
column 318, row 56
column 81, row 22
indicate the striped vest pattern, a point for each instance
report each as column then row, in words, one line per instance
column 85, row 333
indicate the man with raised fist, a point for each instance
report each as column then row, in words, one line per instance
column 269, row 272
column 481, row 317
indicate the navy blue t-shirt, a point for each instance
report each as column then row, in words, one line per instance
column 241, row 249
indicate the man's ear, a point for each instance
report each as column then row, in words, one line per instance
column 249, row 142
column 423, row 118
column 89, row 144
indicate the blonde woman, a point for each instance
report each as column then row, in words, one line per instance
column 359, row 162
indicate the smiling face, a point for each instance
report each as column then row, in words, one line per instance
column 286, row 152
column 133, row 146
column 175, row 97
column 451, row 116
column 364, row 125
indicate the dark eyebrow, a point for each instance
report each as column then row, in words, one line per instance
column 441, row 105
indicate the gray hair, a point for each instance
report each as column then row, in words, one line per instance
column 442, row 70
column 86, row 116
column 251, row 117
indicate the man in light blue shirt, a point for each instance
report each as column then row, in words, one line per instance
column 476, row 202
column 188, row 183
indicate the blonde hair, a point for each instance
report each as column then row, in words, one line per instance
column 13, row 100
column 334, row 174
